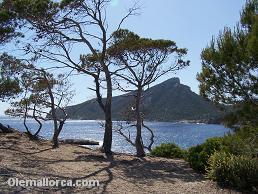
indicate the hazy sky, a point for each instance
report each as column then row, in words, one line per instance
column 190, row 23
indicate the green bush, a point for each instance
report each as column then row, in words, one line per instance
column 243, row 142
column 198, row 155
column 168, row 151
column 237, row 171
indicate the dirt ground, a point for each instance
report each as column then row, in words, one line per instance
column 24, row 159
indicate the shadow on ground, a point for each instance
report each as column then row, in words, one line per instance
column 36, row 160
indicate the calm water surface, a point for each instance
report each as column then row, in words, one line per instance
column 183, row 134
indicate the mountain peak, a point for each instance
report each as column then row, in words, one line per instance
column 168, row 84
column 167, row 101
column 174, row 80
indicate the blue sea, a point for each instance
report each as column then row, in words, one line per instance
column 183, row 134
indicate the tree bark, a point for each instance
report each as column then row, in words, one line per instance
column 107, row 142
column 138, row 141
column 56, row 134
column 53, row 112
column 55, row 140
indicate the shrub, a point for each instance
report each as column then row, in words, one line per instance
column 237, row 171
column 198, row 155
column 243, row 142
column 168, row 151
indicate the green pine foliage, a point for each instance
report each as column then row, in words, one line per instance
column 229, row 77
column 229, row 66
column 9, row 77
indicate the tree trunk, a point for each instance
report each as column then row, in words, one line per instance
column 53, row 111
column 107, row 142
column 56, row 134
column 138, row 141
column 55, row 140
column 38, row 121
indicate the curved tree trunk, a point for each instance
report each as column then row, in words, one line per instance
column 56, row 134
column 38, row 121
column 25, row 121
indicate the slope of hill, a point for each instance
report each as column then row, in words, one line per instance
column 167, row 101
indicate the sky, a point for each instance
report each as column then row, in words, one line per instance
column 190, row 23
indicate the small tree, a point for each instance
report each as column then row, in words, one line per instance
column 43, row 92
column 230, row 66
column 141, row 62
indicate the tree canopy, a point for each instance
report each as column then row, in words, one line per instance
column 230, row 65
column 9, row 77
column 8, row 23
column 142, row 60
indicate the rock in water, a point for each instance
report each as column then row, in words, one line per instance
column 79, row 142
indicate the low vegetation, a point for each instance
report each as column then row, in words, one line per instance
column 170, row 150
column 198, row 155
column 238, row 171
column 231, row 160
